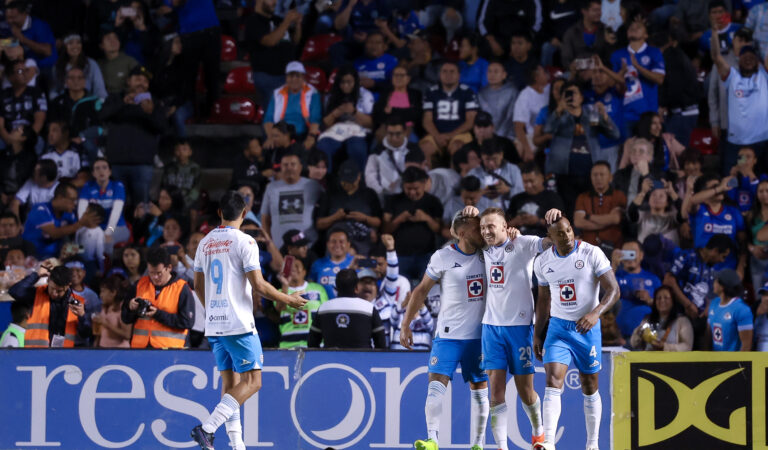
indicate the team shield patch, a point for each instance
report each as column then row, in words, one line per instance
column 567, row 294
column 497, row 274
column 474, row 288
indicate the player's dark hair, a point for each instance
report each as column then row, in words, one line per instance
column 414, row 174
column 460, row 221
column 231, row 205
column 61, row 276
column 62, row 189
column 720, row 242
column 20, row 312
column 346, row 283
column 48, row 169
column 157, row 256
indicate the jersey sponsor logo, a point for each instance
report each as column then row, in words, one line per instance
column 215, row 247
column 300, row 317
column 717, row 333
column 218, row 318
column 579, row 264
column 718, row 229
column 342, row 321
column 567, row 294
column 497, row 274
column 474, row 289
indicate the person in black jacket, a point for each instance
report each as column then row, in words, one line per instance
column 134, row 124
column 347, row 321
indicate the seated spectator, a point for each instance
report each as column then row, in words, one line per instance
column 252, row 166
column 375, row 67
column 584, row 36
column 730, row 320
column 58, row 315
column 108, row 329
column 295, row 323
column 76, row 265
column 527, row 107
column 116, row 65
column 61, row 151
column 289, row 203
column 317, row 167
column 412, row 217
column 356, row 20
column 74, row 57
column 33, row 34
column 272, row 42
column 79, row 109
column 521, row 63
column 324, row 270
column 744, row 193
column 298, row 104
column 599, row 211
column 383, row 171
column 423, row 68
column 637, row 287
column 10, row 234
column 362, row 320
column 638, row 156
column 183, row 174
column 91, row 241
column 449, row 111
column 13, row 336
column 498, row 99
column 465, row 160
column 400, row 100
column 690, row 161
column 662, row 216
column 354, row 207
column 171, row 312
column 485, row 131
column 17, row 162
column 38, row 189
column 131, row 264
column 173, row 234
column 526, row 209
column 470, row 193
column 757, row 219
column 669, row 329
column 270, row 258
column 761, row 320
column 21, row 105
column 297, row 245
column 249, row 195
column 501, row 180
column 604, row 91
column 110, row 194
column 472, row 68
column 349, row 119
column 666, row 148
column 149, row 217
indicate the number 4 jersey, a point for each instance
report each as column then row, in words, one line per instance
column 225, row 255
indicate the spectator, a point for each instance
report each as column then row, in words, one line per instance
column 693, row 15
column 10, row 234
column 270, row 258
column 108, row 328
column 324, row 270
column 297, row 245
column 637, row 167
column 73, row 57
column 598, row 212
column 757, row 219
column 17, row 162
column 131, row 263
column 13, row 336
column 91, row 242
column 465, row 160
column 252, row 167
column 663, row 214
column 730, row 321
column 135, row 31
column 584, row 36
column 720, row 17
column 116, row 65
column 272, row 44
column 412, row 217
column 470, row 193
column 449, row 111
column 484, row 133
column 354, row 207
column 521, row 62
column 666, row 148
column 423, row 68
column 604, row 91
column 744, row 193
column 681, row 91
column 163, row 322
column 80, row 111
column 690, row 161
column 637, row 287
column 135, row 124
column 384, row 170
column 347, row 321
column 38, row 189
column 34, row 35
column 499, row 20
column 668, row 329
column 527, row 107
column 526, row 209
column 401, row 100
column 717, row 91
column 356, row 19
column 149, row 217
column 562, row 15
column 295, row 323
column 92, row 301
column 296, row 102
column 58, row 315
column 349, row 118
column 61, row 152
column 498, row 99
column 472, row 68
column 110, row 195
column 756, row 21
column 183, row 173
column 761, row 319
column 375, row 67
column 501, row 180
column 22, row 105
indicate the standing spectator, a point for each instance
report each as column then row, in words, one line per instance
column 38, row 189
column 413, row 218
column 116, row 65
column 526, row 209
column 376, row 66
column 757, row 21
column 110, row 331
column 298, row 104
column 527, row 107
column 499, row 19
column 61, row 152
column 757, row 219
column 717, row 91
column 498, row 99
column 681, row 91
column 183, row 173
column 562, row 15
column 324, row 270
column 400, row 100
column 289, row 203
column 521, row 62
column 272, row 44
column 73, row 57
column 585, row 36
column 383, row 171
column 663, row 214
column 719, row 16
column 110, row 195
column 295, row 323
column 355, row 19
column 730, row 318
column 34, row 35
column 637, row 287
column 693, row 15
column 79, row 109
column 13, row 336
column 135, row 124
column 604, row 91
column 252, row 167
column 501, row 180
column 674, row 332
column 472, row 68
column 17, row 162
column 423, row 67
column 599, row 211
column 21, row 105
column 744, row 193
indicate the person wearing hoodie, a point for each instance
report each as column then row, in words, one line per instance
column 384, row 169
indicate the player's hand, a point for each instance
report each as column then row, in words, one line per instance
column 406, row 336
column 513, row 233
column 133, row 305
column 470, row 211
column 644, row 296
column 587, row 322
column 389, row 242
column 296, row 300
column 538, row 348
column 45, row 269
column 552, row 216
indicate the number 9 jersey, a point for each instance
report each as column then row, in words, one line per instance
column 225, row 255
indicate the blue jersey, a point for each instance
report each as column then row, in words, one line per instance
column 746, row 4
column 641, row 95
column 633, row 310
column 449, row 109
column 106, row 198
column 707, row 223
column 614, row 107
column 694, row 277
column 378, row 70
column 324, row 272
column 726, row 321
column 474, row 76
column 744, row 194
column 42, row 214
column 725, row 38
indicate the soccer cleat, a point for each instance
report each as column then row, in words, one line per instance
column 544, row 445
column 205, row 440
column 593, row 448
column 429, row 444
column 537, row 439
column 476, row 447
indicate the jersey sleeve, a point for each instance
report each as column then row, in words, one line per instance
column 657, row 62
column 533, row 245
column 678, row 265
column 198, row 266
column 600, row 263
column 249, row 253
column 40, row 216
column 744, row 319
column 435, row 268
column 539, row 274
column 472, row 103
column 429, row 102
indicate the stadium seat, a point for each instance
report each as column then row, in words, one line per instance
column 332, row 78
column 228, row 48
column 703, row 141
column 316, row 48
column 316, row 77
column 239, row 81
column 233, row 110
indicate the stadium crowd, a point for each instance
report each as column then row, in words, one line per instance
column 646, row 123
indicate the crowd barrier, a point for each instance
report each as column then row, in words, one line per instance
column 83, row 399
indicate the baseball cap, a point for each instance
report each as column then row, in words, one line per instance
column 367, row 273
column 764, row 289
column 295, row 238
column 140, row 70
column 348, row 172
column 747, row 49
column 728, row 278
column 483, row 119
column 295, row 67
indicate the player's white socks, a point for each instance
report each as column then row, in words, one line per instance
column 593, row 411
column 226, row 407
column 551, row 411
column 433, row 408
column 478, row 415
column 499, row 425
column 235, row 431
column 534, row 415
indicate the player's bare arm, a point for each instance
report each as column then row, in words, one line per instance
column 415, row 303
column 200, row 287
column 542, row 317
column 271, row 293
column 610, row 289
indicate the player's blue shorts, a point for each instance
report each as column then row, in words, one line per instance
column 564, row 343
column 508, row 347
column 240, row 353
column 447, row 354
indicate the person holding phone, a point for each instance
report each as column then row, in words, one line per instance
column 636, row 284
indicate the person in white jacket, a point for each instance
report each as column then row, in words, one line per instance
column 383, row 170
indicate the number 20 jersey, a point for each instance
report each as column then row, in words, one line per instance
column 225, row 255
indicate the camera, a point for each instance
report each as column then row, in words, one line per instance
column 71, row 301
column 143, row 306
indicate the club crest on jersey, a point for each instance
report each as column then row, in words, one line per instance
column 300, row 317
column 567, row 294
column 717, row 333
column 579, row 264
column 433, row 361
column 497, row 274
column 342, row 321
column 509, row 248
column 475, row 288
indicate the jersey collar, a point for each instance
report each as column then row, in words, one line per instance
column 502, row 244
column 575, row 247
column 455, row 246
column 642, row 49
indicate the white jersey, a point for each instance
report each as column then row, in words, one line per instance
column 572, row 279
column 508, row 269
column 462, row 292
column 225, row 255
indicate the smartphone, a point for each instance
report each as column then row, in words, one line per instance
column 568, row 95
column 127, row 11
column 628, row 255
column 367, row 263
column 733, row 183
column 287, row 266
column 141, row 97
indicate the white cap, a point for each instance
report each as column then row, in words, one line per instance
column 295, row 66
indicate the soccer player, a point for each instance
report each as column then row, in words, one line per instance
column 227, row 260
column 460, row 273
column 570, row 277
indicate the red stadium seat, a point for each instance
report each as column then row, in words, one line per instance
column 703, row 141
column 332, row 78
column 239, row 81
column 316, row 77
column 233, row 110
column 316, row 48
column 228, row 48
